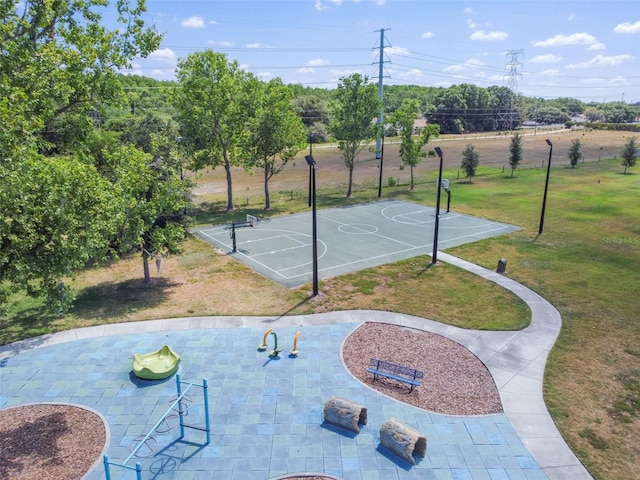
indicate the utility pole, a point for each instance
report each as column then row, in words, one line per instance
column 381, row 48
column 508, row 107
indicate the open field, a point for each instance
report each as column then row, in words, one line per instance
column 587, row 263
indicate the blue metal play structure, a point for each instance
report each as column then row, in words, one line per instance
column 177, row 404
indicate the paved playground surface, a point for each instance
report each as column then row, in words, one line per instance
column 349, row 239
column 266, row 415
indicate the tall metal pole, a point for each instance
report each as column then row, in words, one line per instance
column 546, row 187
column 380, row 91
column 310, row 167
column 381, row 160
column 434, row 256
column 314, row 229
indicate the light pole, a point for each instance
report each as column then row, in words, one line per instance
column 546, row 187
column 434, row 257
column 312, row 197
column 381, row 160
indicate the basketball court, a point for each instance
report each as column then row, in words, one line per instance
column 350, row 238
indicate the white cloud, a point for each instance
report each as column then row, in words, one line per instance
column 562, row 40
column 548, row 58
column 470, row 64
column 471, row 24
column 253, row 45
column 481, row 35
column 220, row 43
column 427, row 35
column 468, row 11
column 193, row 22
column 602, row 61
column 264, row 76
column 316, row 62
column 549, row 73
column 627, row 27
column 596, row 46
column 165, row 55
column 396, row 51
column 413, row 73
column 322, row 4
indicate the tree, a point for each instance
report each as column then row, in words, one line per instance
column 356, row 105
column 575, row 152
column 58, row 60
column 151, row 215
column 57, row 215
column 411, row 145
column 629, row 153
column 275, row 133
column 213, row 96
column 470, row 161
column 56, row 73
column 515, row 152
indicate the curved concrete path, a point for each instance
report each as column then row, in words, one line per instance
column 516, row 359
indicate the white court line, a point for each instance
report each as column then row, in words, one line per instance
column 279, row 272
column 302, row 245
column 406, row 214
column 365, row 259
column 395, row 240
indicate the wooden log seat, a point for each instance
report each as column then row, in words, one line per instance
column 345, row 414
column 402, row 440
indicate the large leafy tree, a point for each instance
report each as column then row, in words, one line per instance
column 411, row 145
column 59, row 59
column 214, row 97
column 355, row 106
column 275, row 133
column 57, row 67
column 56, row 215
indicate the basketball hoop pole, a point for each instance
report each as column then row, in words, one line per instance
column 312, row 198
column 434, row 256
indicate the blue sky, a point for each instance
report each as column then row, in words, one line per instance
column 581, row 49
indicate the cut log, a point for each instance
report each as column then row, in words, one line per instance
column 345, row 414
column 402, row 440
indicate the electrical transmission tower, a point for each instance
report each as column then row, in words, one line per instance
column 381, row 62
column 509, row 110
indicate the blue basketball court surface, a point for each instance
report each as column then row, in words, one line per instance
column 350, row 238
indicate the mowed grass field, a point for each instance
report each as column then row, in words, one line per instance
column 587, row 263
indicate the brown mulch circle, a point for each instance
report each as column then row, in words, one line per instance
column 49, row 442
column 455, row 381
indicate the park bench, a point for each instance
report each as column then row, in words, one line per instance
column 395, row 372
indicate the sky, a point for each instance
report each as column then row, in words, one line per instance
column 586, row 49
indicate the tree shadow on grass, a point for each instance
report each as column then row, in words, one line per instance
column 114, row 299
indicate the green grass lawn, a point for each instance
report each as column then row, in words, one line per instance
column 586, row 263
